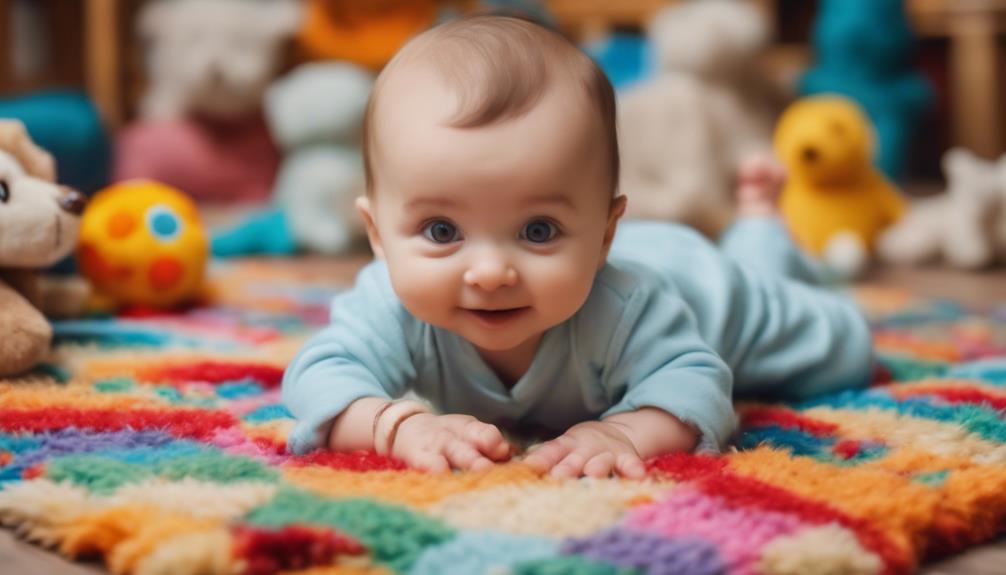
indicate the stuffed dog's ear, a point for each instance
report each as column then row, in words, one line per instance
column 15, row 141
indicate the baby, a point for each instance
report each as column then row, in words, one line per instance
column 492, row 161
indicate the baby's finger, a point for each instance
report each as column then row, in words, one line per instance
column 571, row 465
column 544, row 457
column 487, row 439
column 461, row 455
column 600, row 465
column 429, row 461
column 630, row 466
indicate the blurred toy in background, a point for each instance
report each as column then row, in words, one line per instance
column 213, row 58
column 627, row 59
column 365, row 33
column 316, row 115
column 864, row 51
column 684, row 133
column 214, row 163
column 201, row 128
column 142, row 244
column 66, row 124
column 965, row 227
column 534, row 10
column 38, row 226
column 835, row 202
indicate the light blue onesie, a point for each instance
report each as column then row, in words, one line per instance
column 671, row 322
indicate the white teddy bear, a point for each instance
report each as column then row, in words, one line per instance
column 684, row 133
column 213, row 58
column 316, row 115
column 966, row 226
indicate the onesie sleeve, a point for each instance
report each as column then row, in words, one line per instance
column 658, row 359
column 364, row 352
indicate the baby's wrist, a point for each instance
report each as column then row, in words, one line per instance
column 653, row 431
column 389, row 418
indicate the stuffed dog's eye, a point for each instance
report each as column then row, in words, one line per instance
column 4, row 191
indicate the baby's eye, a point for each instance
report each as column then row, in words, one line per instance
column 539, row 231
column 441, row 232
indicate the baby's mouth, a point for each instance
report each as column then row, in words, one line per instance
column 497, row 317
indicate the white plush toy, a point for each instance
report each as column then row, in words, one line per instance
column 213, row 58
column 966, row 226
column 683, row 134
column 315, row 114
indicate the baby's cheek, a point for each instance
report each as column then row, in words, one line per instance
column 561, row 283
column 426, row 286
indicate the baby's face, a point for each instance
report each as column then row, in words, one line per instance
column 496, row 232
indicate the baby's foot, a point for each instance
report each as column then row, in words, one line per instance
column 759, row 182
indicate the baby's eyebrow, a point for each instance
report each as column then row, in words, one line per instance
column 430, row 201
column 556, row 198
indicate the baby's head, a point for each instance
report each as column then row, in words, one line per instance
column 492, row 162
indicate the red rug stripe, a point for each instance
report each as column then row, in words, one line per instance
column 268, row 376
column 291, row 548
column 685, row 466
column 191, row 423
column 955, row 395
column 786, row 418
column 355, row 461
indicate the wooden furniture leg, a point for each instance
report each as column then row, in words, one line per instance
column 975, row 68
column 103, row 58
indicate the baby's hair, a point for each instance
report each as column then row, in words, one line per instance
column 501, row 67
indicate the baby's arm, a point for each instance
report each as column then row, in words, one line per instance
column 670, row 392
column 340, row 384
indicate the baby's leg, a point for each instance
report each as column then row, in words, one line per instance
column 758, row 240
column 798, row 340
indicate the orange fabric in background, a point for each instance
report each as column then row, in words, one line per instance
column 366, row 33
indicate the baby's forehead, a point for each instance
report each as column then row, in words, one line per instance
column 488, row 75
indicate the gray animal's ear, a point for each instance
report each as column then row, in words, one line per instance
column 281, row 18
column 154, row 18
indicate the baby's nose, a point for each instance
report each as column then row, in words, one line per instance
column 490, row 273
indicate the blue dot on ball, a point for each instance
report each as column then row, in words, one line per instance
column 163, row 222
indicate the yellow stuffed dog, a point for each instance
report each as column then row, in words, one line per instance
column 835, row 202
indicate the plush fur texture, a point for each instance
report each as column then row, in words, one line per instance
column 684, row 133
column 213, row 58
column 38, row 226
column 965, row 227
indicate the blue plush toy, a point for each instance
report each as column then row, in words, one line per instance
column 864, row 52
column 627, row 59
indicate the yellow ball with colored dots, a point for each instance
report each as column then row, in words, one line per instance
column 142, row 244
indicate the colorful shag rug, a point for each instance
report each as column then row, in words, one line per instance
column 156, row 443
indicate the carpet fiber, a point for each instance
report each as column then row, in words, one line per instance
column 157, row 444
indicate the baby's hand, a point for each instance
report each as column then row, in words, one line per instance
column 438, row 443
column 594, row 448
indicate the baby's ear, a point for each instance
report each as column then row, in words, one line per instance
column 363, row 206
column 615, row 212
